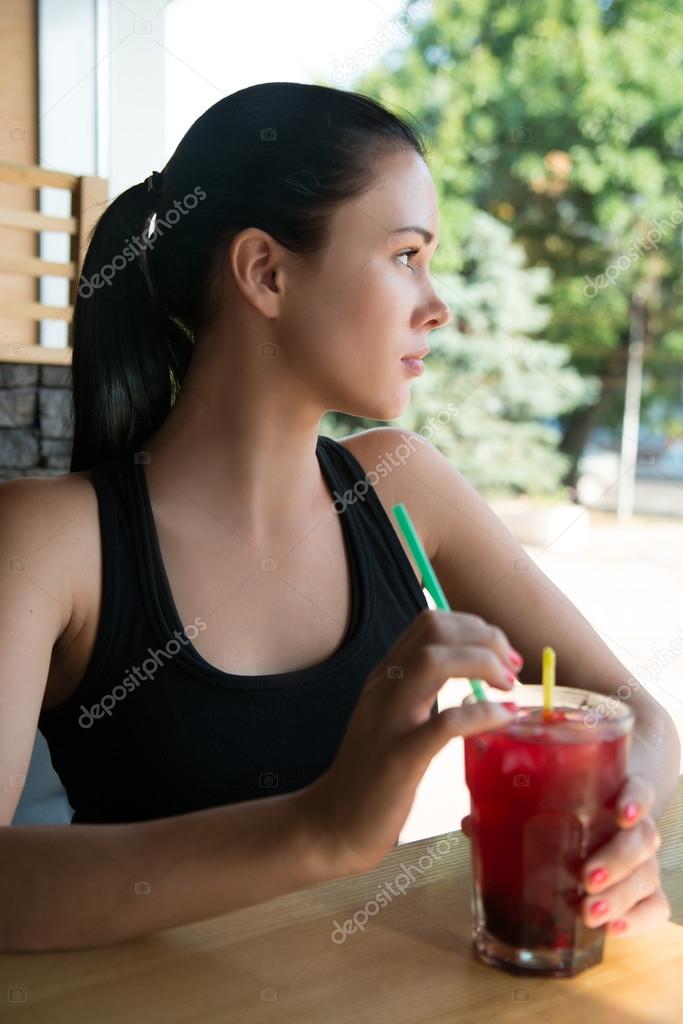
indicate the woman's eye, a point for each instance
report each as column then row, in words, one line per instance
column 408, row 252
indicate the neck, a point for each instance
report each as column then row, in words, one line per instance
column 241, row 440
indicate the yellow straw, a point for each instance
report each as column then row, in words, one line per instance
column 548, row 680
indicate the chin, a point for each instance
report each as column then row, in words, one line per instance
column 375, row 406
column 382, row 410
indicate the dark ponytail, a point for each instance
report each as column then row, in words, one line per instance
column 280, row 156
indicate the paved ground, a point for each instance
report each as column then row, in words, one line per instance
column 628, row 582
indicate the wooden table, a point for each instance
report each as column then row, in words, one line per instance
column 278, row 963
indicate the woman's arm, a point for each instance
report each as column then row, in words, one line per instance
column 80, row 886
column 485, row 571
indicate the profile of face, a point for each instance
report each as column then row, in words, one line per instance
column 370, row 300
column 342, row 319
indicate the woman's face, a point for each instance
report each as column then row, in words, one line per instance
column 368, row 302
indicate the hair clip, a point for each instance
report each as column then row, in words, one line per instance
column 153, row 182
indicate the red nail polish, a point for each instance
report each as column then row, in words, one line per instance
column 631, row 811
column 599, row 907
column 510, row 705
column 618, row 926
column 510, row 676
column 598, row 876
column 516, row 658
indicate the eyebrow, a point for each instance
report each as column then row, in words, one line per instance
column 427, row 235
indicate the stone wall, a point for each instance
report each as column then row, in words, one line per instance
column 36, row 425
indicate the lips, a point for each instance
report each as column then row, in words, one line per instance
column 417, row 355
column 415, row 366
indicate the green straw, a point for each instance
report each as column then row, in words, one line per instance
column 429, row 579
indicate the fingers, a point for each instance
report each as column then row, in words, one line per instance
column 636, row 799
column 622, row 880
column 473, row 630
column 620, row 856
column 454, row 629
column 616, row 901
column 650, row 912
column 410, row 687
column 461, row 628
column 436, row 646
column 423, row 743
column 468, row 661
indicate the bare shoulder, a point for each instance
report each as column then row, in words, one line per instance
column 469, row 547
column 453, row 510
column 403, row 466
column 52, row 500
column 41, row 507
column 47, row 525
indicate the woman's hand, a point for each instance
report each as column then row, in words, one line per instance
column 625, row 871
column 622, row 877
column 355, row 810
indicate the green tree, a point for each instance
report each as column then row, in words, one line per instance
column 562, row 118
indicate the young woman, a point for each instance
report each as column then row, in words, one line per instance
column 214, row 623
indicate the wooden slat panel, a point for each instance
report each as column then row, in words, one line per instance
column 35, row 267
column 88, row 202
column 19, row 92
column 35, row 177
column 89, row 199
column 34, row 311
column 34, row 221
column 15, row 352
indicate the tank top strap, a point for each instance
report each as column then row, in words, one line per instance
column 356, row 494
column 108, row 628
column 110, row 524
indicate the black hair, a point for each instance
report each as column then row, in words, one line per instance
column 280, row 156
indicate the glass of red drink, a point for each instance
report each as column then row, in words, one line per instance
column 543, row 794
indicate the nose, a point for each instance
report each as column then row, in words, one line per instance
column 441, row 314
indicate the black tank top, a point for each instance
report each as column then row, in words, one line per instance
column 155, row 730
